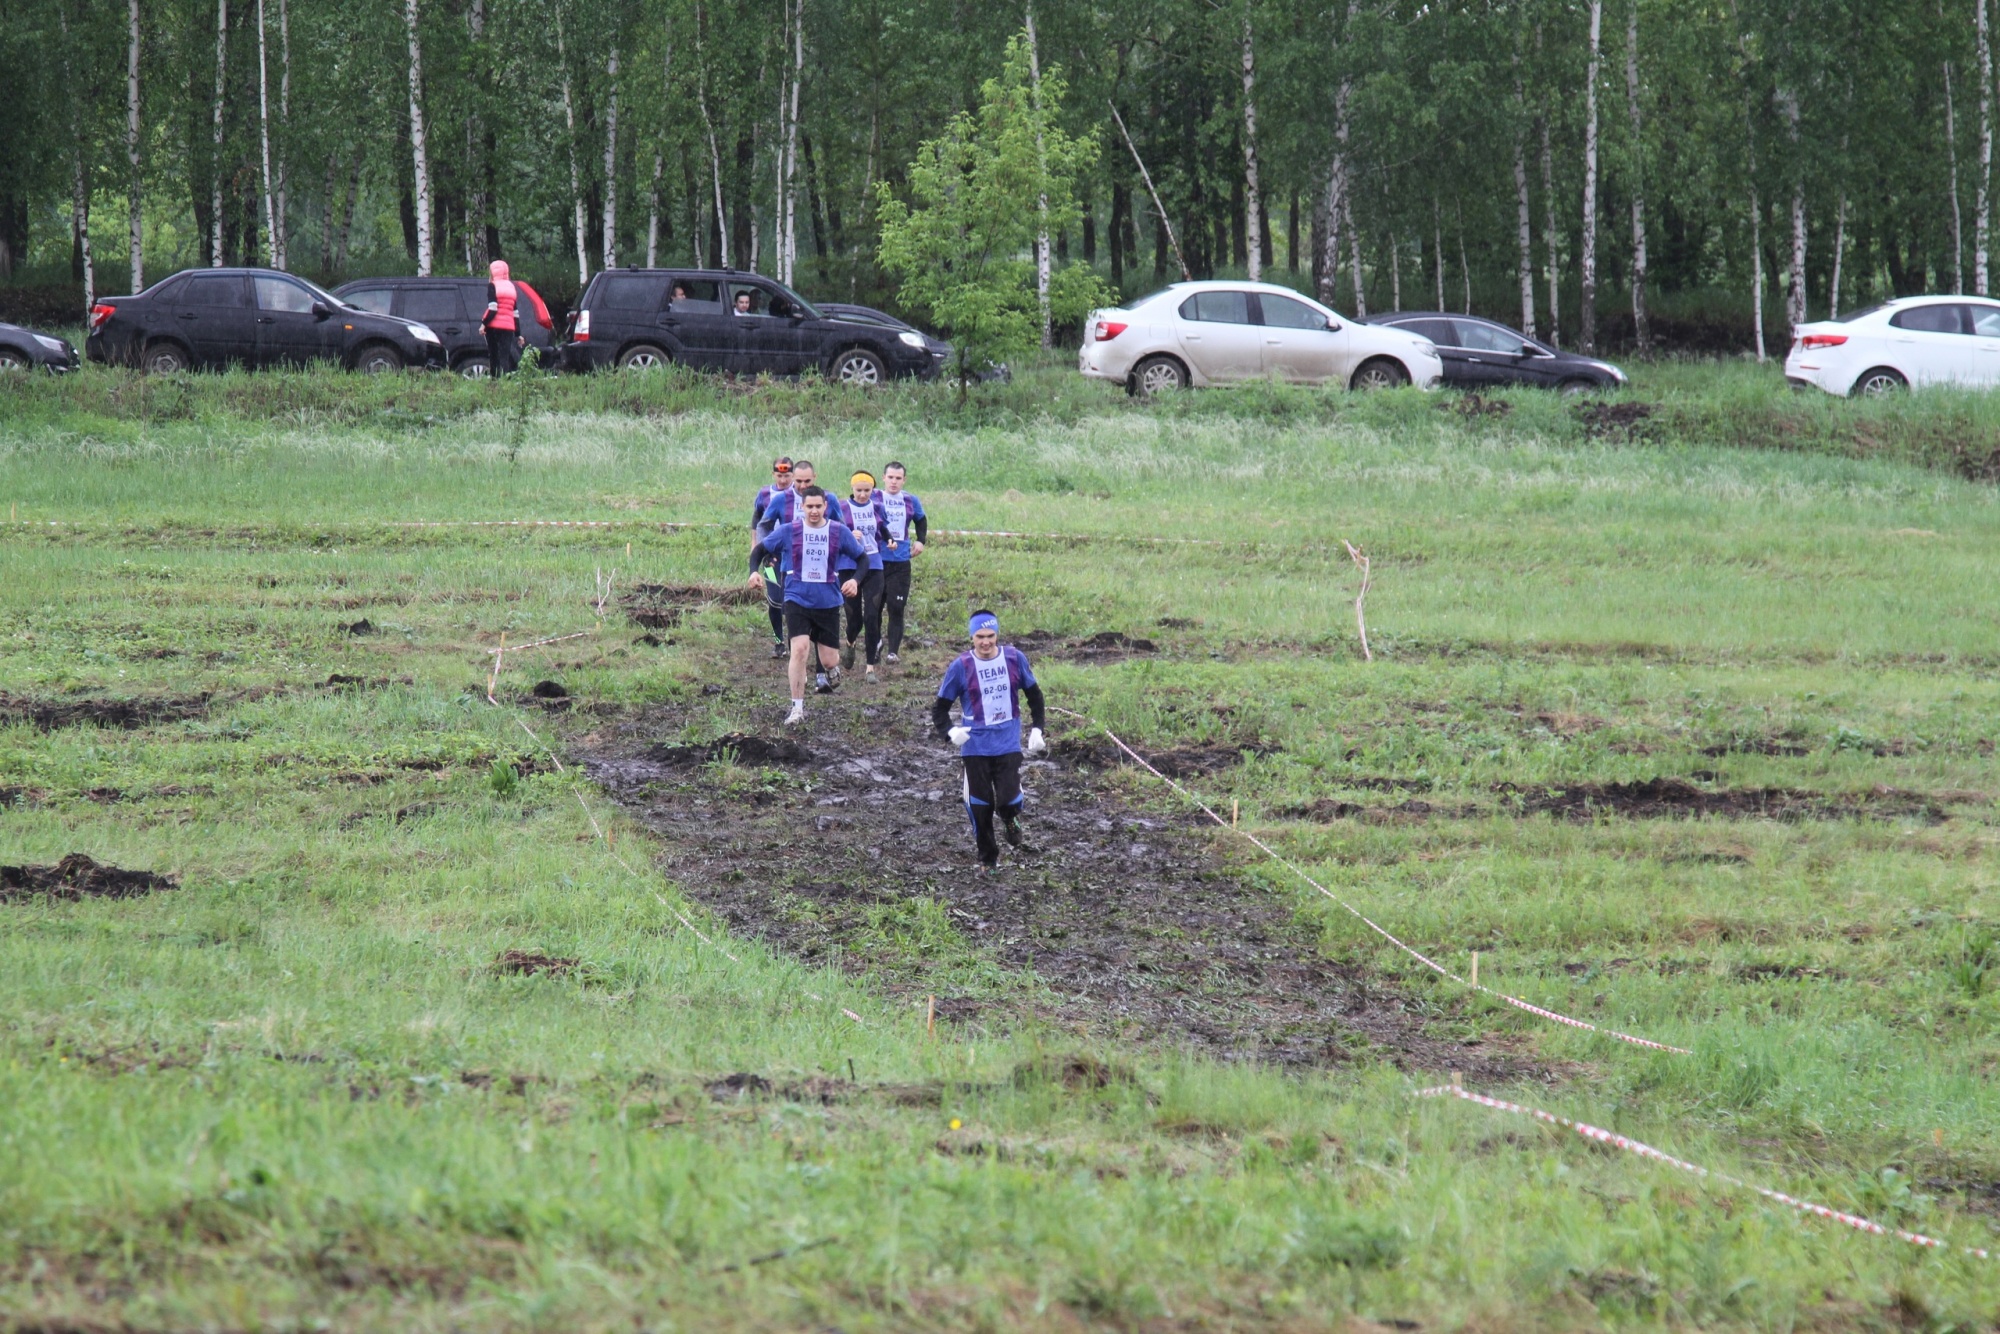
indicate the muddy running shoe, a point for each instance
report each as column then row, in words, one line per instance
column 1013, row 831
column 847, row 658
column 777, row 649
column 798, row 713
column 891, row 659
column 868, row 678
column 822, row 685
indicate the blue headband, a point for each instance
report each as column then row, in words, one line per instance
column 985, row 620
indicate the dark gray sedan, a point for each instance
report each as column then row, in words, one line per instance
column 1483, row 354
column 23, row 349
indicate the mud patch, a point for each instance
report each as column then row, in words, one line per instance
column 531, row 963
column 1326, row 810
column 139, row 711
column 1676, row 798
column 1103, row 646
column 664, row 606
column 78, row 877
column 1620, row 422
column 735, row 748
column 1181, row 762
column 1107, row 921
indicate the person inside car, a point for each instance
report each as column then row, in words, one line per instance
column 680, row 294
column 745, row 303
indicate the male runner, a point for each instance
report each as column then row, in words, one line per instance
column 810, row 549
column 864, row 610
column 984, row 682
column 783, row 506
column 774, row 589
column 900, row 512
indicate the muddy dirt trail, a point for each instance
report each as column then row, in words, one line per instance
column 824, row 840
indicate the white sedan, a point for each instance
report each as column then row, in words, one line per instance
column 1211, row 333
column 1901, row 344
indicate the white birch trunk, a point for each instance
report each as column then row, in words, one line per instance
column 611, row 166
column 575, row 174
column 1354, row 253
column 1839, row 251
column 659, row 155
column 136, row 187
column 1437, row 243
column 1336, row 191
column 215, row 164
column 1642, row 333
column 1524, row 231
column 1957, row 218
column 264, row 142
column 714, row 149
column 789, row 257
column 1795, row 281
column 1757, row 271
column 1551, row 234
column 1983, row 218
column 419, row 153
column 1587, row 261
column 279, row 233
column 1253, row 199
column 475, row 136
column 1042, row 199
column 79, row 174
column 1395, row 273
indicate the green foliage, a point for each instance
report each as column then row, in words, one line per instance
column 979, row 194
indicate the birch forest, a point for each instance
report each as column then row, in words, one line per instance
column 1680, row 174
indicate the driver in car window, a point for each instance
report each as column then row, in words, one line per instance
column 746, row 304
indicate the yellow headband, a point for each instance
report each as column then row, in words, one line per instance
column 861, row 477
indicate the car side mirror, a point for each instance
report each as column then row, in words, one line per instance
column 320, row 310
column 1333, row 326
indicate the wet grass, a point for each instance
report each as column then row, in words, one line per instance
column 285, row 1090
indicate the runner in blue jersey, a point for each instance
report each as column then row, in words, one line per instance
column 774, row 589
column 810, row 550
column 985, row 684
column 783, row 506
column 864, row 610
column 903, row 516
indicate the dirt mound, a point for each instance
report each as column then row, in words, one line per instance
column 1128, row 924
column 1103, row 646
column 528, row 963
column 1676, row 798
column 1326, row 810
column 1181, row 762
column 662, row 606
column 1760, row 745
column 1623, row 422
column 101, row 711
column 737, row 748
column 78, row 877
column 1473, row 406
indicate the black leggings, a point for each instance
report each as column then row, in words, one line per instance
column 774, row 603
column 992, row 783
column 503, row 351
column 895, row 597
column 864, row 612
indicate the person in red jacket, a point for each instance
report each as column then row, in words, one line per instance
column 502, row 322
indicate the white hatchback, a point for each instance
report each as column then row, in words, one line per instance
column 1211, row 333
column 1901, row 344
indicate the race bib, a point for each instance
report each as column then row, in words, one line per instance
column 864, row 526
column 815, row 553
column 896, row 510
column 996, row 690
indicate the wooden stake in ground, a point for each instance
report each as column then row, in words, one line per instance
column 930, row 1019
column 1475, row 968
column 1360, row 616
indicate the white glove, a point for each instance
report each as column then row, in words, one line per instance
column 960, row 735
column 1036, row 746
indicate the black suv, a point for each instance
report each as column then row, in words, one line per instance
column 253, row 317
column 1483, row 354
column 719, row 319
column 453, row 308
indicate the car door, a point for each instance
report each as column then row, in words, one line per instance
column 766, row 344
column 1300, row 343
column 1494, row 356
column 1217, row 334
column 213, row 315
column 1929, row 345
column 442, row 307
column 1983, row 370
column 1459, row 370
column 694, row 318
column 289, row 333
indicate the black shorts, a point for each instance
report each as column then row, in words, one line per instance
column 819, row 624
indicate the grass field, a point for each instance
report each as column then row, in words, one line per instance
column 1684, row 719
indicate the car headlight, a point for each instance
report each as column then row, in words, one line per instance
column 423, row 333
column 910, row 338
column 52, row 344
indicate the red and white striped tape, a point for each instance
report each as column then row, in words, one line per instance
column 1424, row 959
column 1630, row 1145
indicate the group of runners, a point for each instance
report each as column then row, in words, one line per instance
column 816, row 556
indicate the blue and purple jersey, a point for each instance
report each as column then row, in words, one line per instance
column 783, row 507
column 811, row 560
column 868, row 526
column 763, row 500
column 987, row 691
column 899, row 513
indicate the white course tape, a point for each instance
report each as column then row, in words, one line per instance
column 1432, row 964
column 1630, row 1145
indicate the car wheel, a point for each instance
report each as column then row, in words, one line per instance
column 378, row 358
column 165, row 359
column 859, row 367
column 644, row 357
column 475, row 368
column 11, row 360
column 1381, row 373
column 1157, row 375
column 1880, row 381
column 1572, row 388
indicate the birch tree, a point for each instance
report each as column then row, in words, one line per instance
column 575, row 172
column 80, row 154
column 136, row 181
column 274, row 247
column 419, row 153
column 1983, row 208
column 1642, row 333
column 1795, row 277
column 1524, row 234
column 714, row 148
column 611, row 164
column 789, row 255
column 1957, row 219
column 215, row 159
column 1042, row 199
column 1587, row 260
column 1253, row 199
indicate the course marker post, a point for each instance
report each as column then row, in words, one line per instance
column 1475, row 968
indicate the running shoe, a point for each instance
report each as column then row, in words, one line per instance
column 822, row 685
column 1013, row 828
column 868, row 678
column 777, row 650
column 890, row 658
column 847, row 658
column 798, row 713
